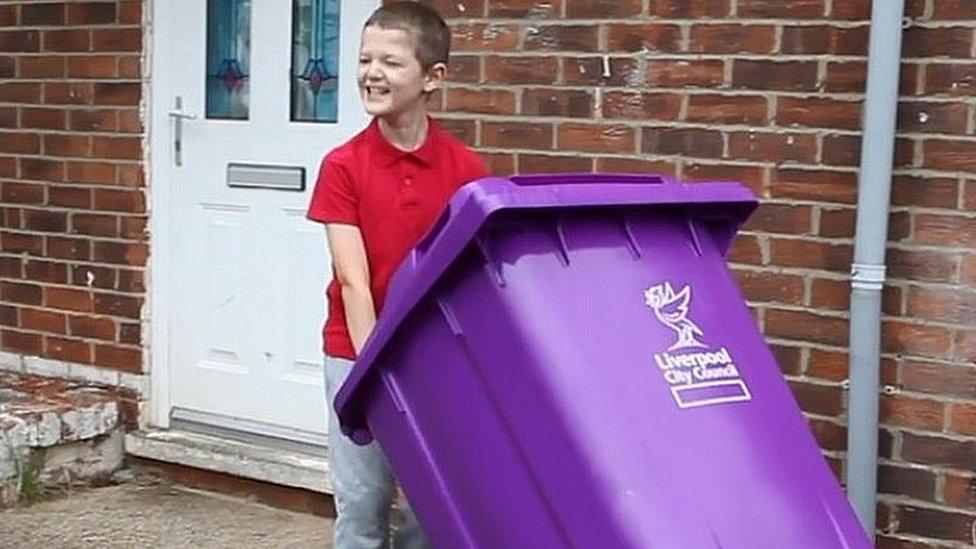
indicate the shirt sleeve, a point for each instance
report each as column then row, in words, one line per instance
column 334, row 199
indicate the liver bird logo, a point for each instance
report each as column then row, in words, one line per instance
column 672, row 310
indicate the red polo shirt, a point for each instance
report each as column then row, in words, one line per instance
column 393, row 197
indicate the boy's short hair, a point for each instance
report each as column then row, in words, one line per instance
column 432, row 37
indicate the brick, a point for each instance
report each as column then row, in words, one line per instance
column 723, row 109
column 68, row 93
column 46, row 271
column 967, row 271
column 641, row 105
column 120, row 253
column 966, row 346
column 917, row 116
column 857, row 10
column 603, row 9
column 681, row 9
column 8, row 119
column 130, row 67
column 127, row 148
column 45, row 221
column 22, row 243
column 72, row 40
column 118, row 305
column 71, row 350
column 921, row 265
column 43, row 321
column 685, row 73
column 819, row 185
column 68, row 248
column 48, row 66
column 68, row 299
column 447, row 8
column 781, row 9
column 517, row 135
column 827, row 365
column 94, row 276
column 774, row 75
column 730, row 38
column 16, row 292
column 525, row 9
column 41, row 169
column 463, row 130
column 117, row 40
column 539, row 163
column 481, row 101
column 811, row 254
column 846, row 77
column 780, row 218
column 829, row 294
column 500, row 164
column 556, row 102
column 751, row 176
column 805, row 326
column 943, row 154
column 823, row 39
column 623, row 71
column 913, row 413
column 521, row 70
column 643, row 37
column 131, row 281
column 830, row 436
column 942, row 41
column 481, row 37
column 48, row 119
column 818, row 399
column 20, row 41
column 945, row 230
column 105, row 120
column 954, row 9
column 906, row 481
column 763, row 146
column 969, row 196
column 132, row 201
column 925, row 192
column 134, row 227
column 962, row 418
column 121, row 358
column 770, row 287
column 92, row 327
column 464, row 68
column 957, row 306
column 935, row 523
column 788, row 358
column 92, row 13
column 130, row 334
column 683, row 141
column 914, row 339
column 815, row 112
column 634, row 165
column 118, row 93
column 605, row 138
column 939, row 379
column 66, row 145
column 8, row 16
column 8, row 66
column 19, row 143
column 561, row 38
column 93, row 66
column 42, row 14
column 960, row 490
column 11, row 267
column 18, row 341
column 19, row 92
column 91, row 172
column 950, row 79
column 745, row 249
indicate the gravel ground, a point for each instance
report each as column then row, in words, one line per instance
column 157, row 515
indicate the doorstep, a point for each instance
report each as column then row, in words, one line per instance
column 284, row 467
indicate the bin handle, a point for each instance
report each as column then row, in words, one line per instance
column 586, row 178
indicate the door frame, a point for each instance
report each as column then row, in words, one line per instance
column 158, row 130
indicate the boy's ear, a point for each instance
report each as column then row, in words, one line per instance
column 434, row 77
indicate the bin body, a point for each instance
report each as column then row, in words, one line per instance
column 567, row 362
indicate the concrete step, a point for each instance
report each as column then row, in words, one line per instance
column 55, row 432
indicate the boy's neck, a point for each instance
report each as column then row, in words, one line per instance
column 406, row 131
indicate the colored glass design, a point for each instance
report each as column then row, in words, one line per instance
column 315, row 60
column 228, row 58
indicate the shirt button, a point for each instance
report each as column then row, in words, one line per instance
column 408, row 180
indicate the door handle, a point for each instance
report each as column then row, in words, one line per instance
column 178, row 117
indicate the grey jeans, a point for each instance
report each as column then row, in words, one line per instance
column 364, row 485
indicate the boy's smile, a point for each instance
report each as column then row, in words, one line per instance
column 392, row 81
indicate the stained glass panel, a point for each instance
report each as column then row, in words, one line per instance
column 314, row 60
column 228, row 58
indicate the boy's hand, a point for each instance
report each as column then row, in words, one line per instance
column 352, row 271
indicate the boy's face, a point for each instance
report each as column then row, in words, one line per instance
column 391, row 79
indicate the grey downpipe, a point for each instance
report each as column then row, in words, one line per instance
column 868, row 271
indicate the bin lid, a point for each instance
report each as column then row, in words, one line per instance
column 470, row 208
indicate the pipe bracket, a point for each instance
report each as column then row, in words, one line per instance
column 866, row 276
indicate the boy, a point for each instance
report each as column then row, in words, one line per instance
column 378, row 194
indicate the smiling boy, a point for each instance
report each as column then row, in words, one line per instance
column 377, row 195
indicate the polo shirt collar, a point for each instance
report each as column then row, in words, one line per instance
column 389, row 154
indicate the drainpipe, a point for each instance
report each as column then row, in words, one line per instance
column 868, row 270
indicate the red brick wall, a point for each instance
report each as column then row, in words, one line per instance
column 769, row 92
column 72, row 241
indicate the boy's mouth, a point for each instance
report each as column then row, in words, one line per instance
column 376, row 91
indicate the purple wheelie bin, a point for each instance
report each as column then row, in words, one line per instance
column 566, row 361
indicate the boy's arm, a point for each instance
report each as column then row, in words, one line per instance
column 352, row 272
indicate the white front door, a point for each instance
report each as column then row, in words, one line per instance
column 247, row 96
